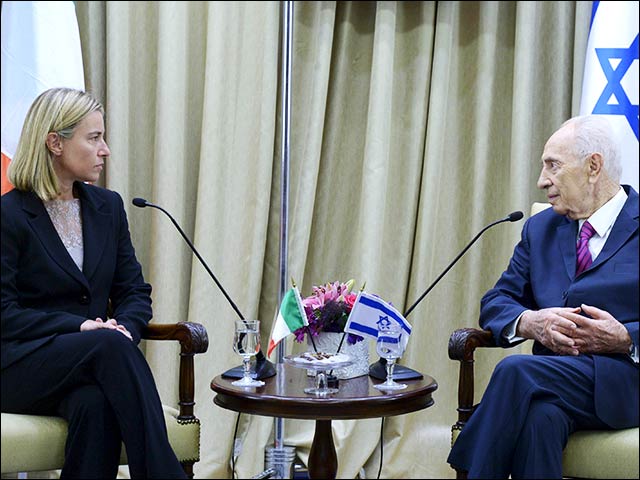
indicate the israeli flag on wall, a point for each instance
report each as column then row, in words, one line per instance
column 368, row 311
column 610, row 84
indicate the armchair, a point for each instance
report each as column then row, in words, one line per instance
column 588, row 454
column 36, row 443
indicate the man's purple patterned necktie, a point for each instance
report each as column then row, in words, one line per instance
column 583, row 257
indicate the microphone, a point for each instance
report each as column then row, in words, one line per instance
column 263, row 367
column 400, row 372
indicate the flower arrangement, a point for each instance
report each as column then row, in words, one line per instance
column 327, row 310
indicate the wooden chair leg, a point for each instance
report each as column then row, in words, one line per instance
column 193, row 339
column 462, row 345
column 188, row 468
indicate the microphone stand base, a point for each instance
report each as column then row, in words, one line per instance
column 263, row 369
column 378, row 370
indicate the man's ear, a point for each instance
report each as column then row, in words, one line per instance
column 54, row 143
column 596, row 164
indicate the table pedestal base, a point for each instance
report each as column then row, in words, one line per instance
column 283, row 396
column 323, row 461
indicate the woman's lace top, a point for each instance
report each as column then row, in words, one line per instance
column 65, row 215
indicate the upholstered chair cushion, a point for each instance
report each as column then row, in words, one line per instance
column 598, row 453
column 34, row 443
column 602, row 454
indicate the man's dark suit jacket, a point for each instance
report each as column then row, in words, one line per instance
column 541, row 274
column 44, row 294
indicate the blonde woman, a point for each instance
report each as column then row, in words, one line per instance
column 74, row 301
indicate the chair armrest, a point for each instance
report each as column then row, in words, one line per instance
column 193, row 339
column 464, row 341
column 462, row 345
column 192, row 336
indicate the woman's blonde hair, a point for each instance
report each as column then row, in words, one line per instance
column 56, row 110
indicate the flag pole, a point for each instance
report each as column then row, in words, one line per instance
column 313, row 343
column 279, row 457
column 344, row 334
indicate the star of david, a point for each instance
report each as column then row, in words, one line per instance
column 383, row 321
column 614, row 87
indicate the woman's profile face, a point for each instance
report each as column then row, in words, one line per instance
column 83, row 155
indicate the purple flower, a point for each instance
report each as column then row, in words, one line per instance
column 327, row 310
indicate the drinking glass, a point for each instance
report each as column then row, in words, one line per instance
column 389, row 346
column 246, row 343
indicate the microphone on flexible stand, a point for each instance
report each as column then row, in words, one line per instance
column 378, row 369
column 263, row 367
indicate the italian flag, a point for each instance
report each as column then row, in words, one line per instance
column 291, row 317
column 40, row 50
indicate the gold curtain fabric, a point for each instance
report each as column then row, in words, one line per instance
column 414, row 124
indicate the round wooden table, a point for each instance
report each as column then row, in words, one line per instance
column 283, row 396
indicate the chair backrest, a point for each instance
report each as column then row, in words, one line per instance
column 537, row 207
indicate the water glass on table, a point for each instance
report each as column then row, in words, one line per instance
column 389, row 345
column 246, row 343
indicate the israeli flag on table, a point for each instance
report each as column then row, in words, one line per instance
column 610, row 84
column 368, row 311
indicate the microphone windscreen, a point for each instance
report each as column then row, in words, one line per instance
column 515, row 216
column 139, row 202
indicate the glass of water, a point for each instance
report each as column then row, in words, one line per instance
column 389, row 346
column 246, row 343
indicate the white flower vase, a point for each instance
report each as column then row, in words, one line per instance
column 359, row 352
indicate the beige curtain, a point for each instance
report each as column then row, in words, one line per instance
column 414, row 124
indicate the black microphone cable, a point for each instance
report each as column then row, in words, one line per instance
column 233, row 447
column 381, row 447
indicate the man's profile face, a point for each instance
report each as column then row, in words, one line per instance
column 565, row 177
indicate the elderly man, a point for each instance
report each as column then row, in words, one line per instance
column 572, row 287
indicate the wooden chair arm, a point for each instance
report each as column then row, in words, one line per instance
column 464, row 341
column 462, row 345
column 193, row 339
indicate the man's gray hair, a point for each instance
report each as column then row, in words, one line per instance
column 594, row 134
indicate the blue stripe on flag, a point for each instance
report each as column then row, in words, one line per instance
column 380, row 305
column 594, row 9
column 389, row 339
column 364, row 329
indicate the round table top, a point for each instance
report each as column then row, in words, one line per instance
column 283, row 396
